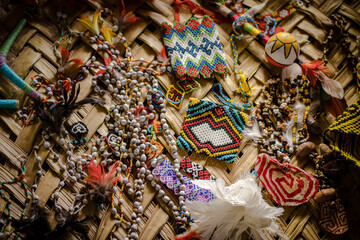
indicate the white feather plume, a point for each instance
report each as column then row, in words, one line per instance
column 330, row 86
column 251, row 133
column 237, row 208
column 287, row 133
column 299, row 108
column 254, row 10
column 293, row 71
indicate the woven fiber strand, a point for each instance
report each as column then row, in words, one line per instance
column 32, row 53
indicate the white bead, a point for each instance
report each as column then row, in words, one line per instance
column 166, row 199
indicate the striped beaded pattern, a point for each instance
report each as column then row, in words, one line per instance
column 343, row 135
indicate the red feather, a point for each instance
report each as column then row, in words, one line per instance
column 97, row 176
column 130, row 18
column 77, row 61
column 64, row 54
column 138, row 110
column 336, row 106
column 311, row 70
column 190, row 236
column 107, row 59
column 162, row 57
column 122, row 8
column 100, row 72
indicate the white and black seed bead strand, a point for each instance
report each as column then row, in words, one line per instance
column 116, row 85
column 73, row 171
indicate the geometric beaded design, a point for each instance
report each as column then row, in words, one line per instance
column 195, row 49
column 165, row 172
column 188, row 85
column 175, row 97
column 213, row 129
column 343, row 135
column 195, row 170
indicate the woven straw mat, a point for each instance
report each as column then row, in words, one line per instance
column 32, row 53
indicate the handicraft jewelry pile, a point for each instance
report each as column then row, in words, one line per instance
column 144, row 165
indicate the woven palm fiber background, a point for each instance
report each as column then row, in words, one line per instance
column 32, row 53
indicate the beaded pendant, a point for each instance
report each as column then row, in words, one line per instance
column 195, row 51
column 213, row 129
column 78, row 130
column 165, row 172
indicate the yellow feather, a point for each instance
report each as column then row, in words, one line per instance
column 92, row 25
column 108, row 34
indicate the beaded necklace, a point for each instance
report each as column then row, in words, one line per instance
column 8, row 201
column 337, row 31
column 275, row 114
column 130, row 148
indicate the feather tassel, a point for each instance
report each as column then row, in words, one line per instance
column 162, row 57
column 189, row 236
column 58, row 113
column 101, row 181
column 288, row 133
column 125, row 19
column 311, row 70
column 330, row 86
column 237, row 208
column 315, row 71
column 36, row 225
column 67, row 222
column 69, row 68
column 98, row 177
column 93, row 25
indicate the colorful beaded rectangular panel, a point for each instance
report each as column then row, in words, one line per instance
column 165, row 172
column 195, row 49
column 213, row 129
